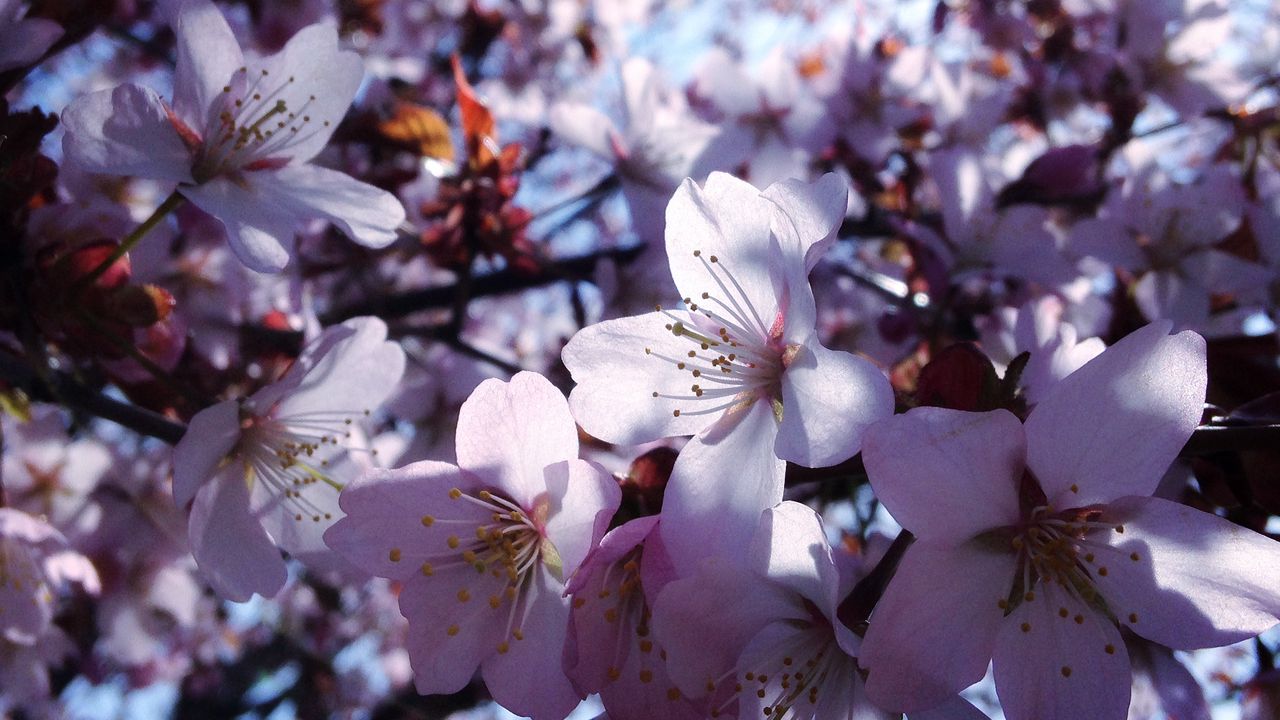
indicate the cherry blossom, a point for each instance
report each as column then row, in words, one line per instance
column 35, row 561
column 1034, row 542
column 238, row 137
column 739, row 365
column 1038, row 328
column 26, row 38
column 762, row 637
column 264, row 472
column 1165, row 235
column 483, row 548
column 611, row 648
column 658, row 144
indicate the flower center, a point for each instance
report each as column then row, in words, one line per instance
column 787, row 678
column 254, row 123
column 1057, row 549
column 291, row 456
column 505, row 553
column 733, row 357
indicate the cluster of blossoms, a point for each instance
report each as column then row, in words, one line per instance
column 841, row 361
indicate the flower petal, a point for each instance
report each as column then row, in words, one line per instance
column 322, row 80
column 124, row 131
column 829, row 399
column 616, row 379
column 210, row 436
column 934, row 630
column 705, row 620
column 947, row 475
column 384, row 531
column 448, row 639
column 1167, row 295
column 509, row 432
column 1199, row 580
column 723, row 479
column 27, row 40
column 256, row 232
column 529, row 679
column 814, row 209
column 231, row 549
column 1056, row 656
column 584, row 126
column 353, row 374
column 208, row 55
column 583, row 497
column 1113, row 427
column 368, row 215
column 730, row 221
column 790, row 548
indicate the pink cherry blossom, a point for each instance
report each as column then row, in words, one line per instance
column 1165, row 235
column 739, row 365
column 659, row 143
column 264, row 472
column 238, row 136
column 761, row 635
column 35, row 561
column 483, row 548
column 1038, row 328
column 611, row 648
column 1035, row 541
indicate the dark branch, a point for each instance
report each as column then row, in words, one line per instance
column 494, row 283
column 62, row 388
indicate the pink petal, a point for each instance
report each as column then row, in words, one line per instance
column 1108, row 240
column 816, row 211
column 325, row 81
column 210, row 437
column 584, row 126
column 957, row 708
column 704, row 621
column 509, row 432
column 355, row 374
column 231, row 549
column 947, row 475
column 1056, row 656
column 723, row 479
column 583, row 497
column 790, row 548
column 26, row 613
column 208, row 55
column 448, row 639
column 368, row 215
column 529, row 679
column 616, row 379
column 385, row 511
column 1199, row 581
column 934, row 630
column 27, row 40
column 1113, row 427
column 256, row 231
column 728, row 220
column 125, row 131
column 820, row 385
column 1167, row 295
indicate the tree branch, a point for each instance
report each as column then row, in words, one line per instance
column 62, row 388
column 494, row 283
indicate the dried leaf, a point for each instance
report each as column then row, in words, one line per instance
column 419, row 128
column 478, row 126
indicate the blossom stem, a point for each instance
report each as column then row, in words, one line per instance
column 169, row 205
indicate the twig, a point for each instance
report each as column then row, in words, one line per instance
column 62, row 387
column 494, row 283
